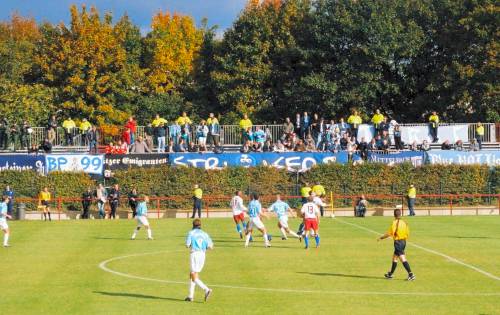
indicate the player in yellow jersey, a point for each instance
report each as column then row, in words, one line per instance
column 399, row 231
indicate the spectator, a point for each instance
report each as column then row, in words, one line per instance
column 8, row 192
column 363, row 148
column 343, row 127
column 351, row 148
column 298, row 123
column 300, row 147
column 184, row 120
column 158, row 121
column 480, row 135
column 14, row 136
column 459, row 145
column 305, row 123
column 385, row 137
column 413, row 146
column 321, row 136
column 192, row 147
column 25, row 133
column 446, row 145
column 268, row 146
column 259, row 139
column 246, row 147
column 202, row 134
column 175, row 132
column 140, row 146
column 269, row 135
column 385, row 125
column 344, row 141
column 52, row 128
column 310, row 145
column 160, row 134
column 377, row 121
column 397, row 138
column 84, row 128
column 354, row 120
column 33, row 149
column 69, row 127
column 121, row 147
column 213, row 131
column 289, row 142
column 102, row 197
column 288, row 128
column 110, row 148
column 279, row 147
column 425, row 146
column 131, row 124
column 185, row 135
column 411, row 197
column 361, row 206
column 315, row 125
column 148, row 136
column 245, row 125
column 474, row 145
column 46, row 146
column 335, row 146
column 372, row 146
column 433, row 126
column 181, row 146
column 132, row 201
column 127, row 136
column 114, row 200
column 86, row 202
column 4, row 137
column 93, row 137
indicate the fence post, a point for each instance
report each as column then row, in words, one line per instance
column 331, row 202
column 402, row 205
column 206, row 207
column 451, row 205
column 59, row 208
column 158, row 207
column 498, row 200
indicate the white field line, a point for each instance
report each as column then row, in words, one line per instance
column 104, row 267
column 452, row 259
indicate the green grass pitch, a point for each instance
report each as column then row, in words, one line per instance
column 53, row 268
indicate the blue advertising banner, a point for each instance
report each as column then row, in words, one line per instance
column 90, row 164
column 491, row 158
column 292, row 161
column 22, row 162
column 414, row 157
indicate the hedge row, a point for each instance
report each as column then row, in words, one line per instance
column 341, row 179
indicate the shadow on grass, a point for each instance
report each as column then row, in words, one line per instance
column 471, row 237
column 137, row 296
column 345, row 275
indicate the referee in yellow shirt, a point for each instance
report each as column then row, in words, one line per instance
column 304, row 192
column 44, row 202
column 319, row 191
column 399, row 231
column 197, row 195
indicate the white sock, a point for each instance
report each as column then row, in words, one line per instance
column 6, row 239
column 292, row 233
column 201, row 284
column 135, row 233
column 192, row 285
column 266, row 241
column 247, row 239
column 283, row 232
column 149, row 233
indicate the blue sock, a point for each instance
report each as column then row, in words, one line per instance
column 306, row 241
column 316, row 238
column 238, row 228
column 244, row 226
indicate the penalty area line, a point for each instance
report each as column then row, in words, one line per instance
column 103, row 266
column 452, row 259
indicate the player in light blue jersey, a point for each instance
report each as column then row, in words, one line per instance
column 3, row 220
column 142, row 217
column 282, row 209
column 255, row 213
column 198, row 242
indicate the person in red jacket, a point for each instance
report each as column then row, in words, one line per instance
column 126, row 136
column 131, row 124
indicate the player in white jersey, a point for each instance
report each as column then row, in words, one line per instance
column 255, row 213
column 3, row 220
column 238, row 212
column 282, row 209
column 198, row 242
column 142, row 217
column 310, row 212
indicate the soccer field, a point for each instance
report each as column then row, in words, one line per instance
column 91, row 267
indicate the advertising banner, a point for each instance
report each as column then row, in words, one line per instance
column 491, row 158
column 22, row 162
column 124, row 161
column 90, row 164
column 421, row 133
column 292, row 161
column 414, row 157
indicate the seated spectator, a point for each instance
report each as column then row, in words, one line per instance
column 110, row 148
column 268, row 146
column 122, row 147
column 459, row 145
column 379, row 142
column 300, row 147
column 343, row 141
column 385, row 146
column 446, row 145
column 33, row 150
column 139, row 146
column 259, row 138
column 351, row 148
column 413, row 146
column 474, row 145
column 248, row 135
column 290, row 142
column 193, row 148
column 310, row 145
column 246, row 147
column 425, row 146
column 372, row 146
column 334, row 146
column 279, row 147
column 363, row 148
column 386, row 137
column 170, row 147
column 181, row 146
column 46, row 146
column 361, row 206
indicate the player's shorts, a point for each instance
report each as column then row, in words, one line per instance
column 45, row 203
column 311, row 224
column 283, row 220
column 256, row 222
column 4, row 225
column 239, row 217
column 197, row 261
column 399, row 247
column 142, row 220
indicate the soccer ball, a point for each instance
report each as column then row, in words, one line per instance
column 269, row 237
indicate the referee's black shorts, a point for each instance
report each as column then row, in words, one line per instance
column 45, row 203
column 399, row 247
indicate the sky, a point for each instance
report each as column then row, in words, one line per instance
column 218, row 12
